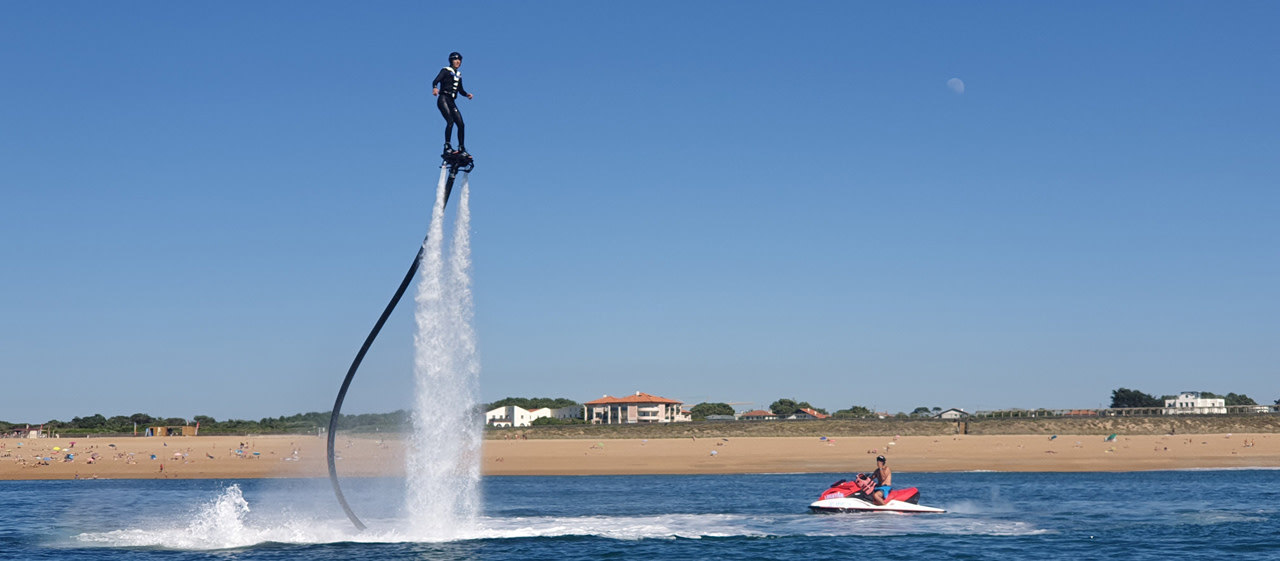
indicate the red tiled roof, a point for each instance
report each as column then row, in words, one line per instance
column 758, row 413
column 639, row 397
column 815, row 413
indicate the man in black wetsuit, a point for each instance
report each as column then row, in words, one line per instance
column 446, row 87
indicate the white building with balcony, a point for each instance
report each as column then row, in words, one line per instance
column 1191, row 403
column 638, row 408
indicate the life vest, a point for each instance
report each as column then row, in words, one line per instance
column 457, row 79
column 866, row 484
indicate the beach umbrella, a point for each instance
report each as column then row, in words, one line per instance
column 57, row 449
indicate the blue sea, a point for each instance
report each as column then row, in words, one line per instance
column 1131, row 516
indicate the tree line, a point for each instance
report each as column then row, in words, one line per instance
column 397, row 420
column 299, row 423
column 531, row 403
column 783, row 407
column 1125, row 397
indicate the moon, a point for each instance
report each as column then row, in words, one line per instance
column 956, row 85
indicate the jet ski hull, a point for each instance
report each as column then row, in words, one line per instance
column 851, row 496
column 850, row 504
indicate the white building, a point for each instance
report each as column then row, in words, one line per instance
column 638, row 408
column 1192, row 403
column 516, row 416
column 952, row 413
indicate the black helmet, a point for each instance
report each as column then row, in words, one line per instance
column 455, row 56
column 879, row 458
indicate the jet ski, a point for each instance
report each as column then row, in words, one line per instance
column 855, row 496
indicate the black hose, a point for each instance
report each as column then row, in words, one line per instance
column 368, row 341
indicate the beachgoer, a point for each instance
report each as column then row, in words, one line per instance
column 883, row 477
column 446, row 87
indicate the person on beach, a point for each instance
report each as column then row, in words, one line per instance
column 446, row 87
column 883, row 477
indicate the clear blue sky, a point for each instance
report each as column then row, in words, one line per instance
column 205, row 206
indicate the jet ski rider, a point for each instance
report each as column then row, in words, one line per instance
column 883, row 477
column 447, row 86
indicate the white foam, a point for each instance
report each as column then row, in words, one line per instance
column 442, row 498
column 229, row 522
column 220, row 524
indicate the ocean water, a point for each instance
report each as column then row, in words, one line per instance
column 1131, row 516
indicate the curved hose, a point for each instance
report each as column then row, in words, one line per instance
column 364, row 349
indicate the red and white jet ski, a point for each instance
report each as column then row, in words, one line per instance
column 855, row 496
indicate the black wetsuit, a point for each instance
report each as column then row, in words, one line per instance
column 449, row 81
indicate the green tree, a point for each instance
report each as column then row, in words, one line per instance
column 784, row 407
column 1239, row 399
column 92, row 422
column 855, row 412
column 920, row 412
column 532, row 403
column 1124, row 397
column 119, row 423
column 702, row 410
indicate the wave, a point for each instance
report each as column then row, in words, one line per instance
column 228, row 522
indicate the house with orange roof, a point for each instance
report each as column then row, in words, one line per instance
column 758, row 415
column 807, row 414
column 638, row 408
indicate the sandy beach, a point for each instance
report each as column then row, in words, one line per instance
column 304, row 456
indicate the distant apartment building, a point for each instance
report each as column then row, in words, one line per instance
column 1192, row 403
column 638, row 408
column 515, row 416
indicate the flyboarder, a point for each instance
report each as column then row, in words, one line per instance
column 446, row 87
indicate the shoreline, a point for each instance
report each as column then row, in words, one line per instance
column 232, row 457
